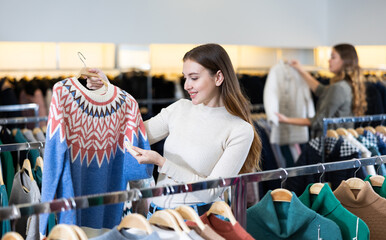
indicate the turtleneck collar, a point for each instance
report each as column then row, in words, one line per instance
column 366, row 196
column 298, row 215
column 324, row 203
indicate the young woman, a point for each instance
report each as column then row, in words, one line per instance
column 344, row 97
column 207, row 137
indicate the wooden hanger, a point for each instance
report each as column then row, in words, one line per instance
column 81, row 234
column 342, row 132
column 222, row 209
column 370, row 129
column 12, row 236
column 27, row 166
column 377, row 180
column 353, row 132
column 135, row 220
column 165, row 219
column 332, row 133
column 381, row 129
column 1, row 173
column 281, row 195
column 360, row 130
column 62, row 232
column 36, row 130
column 179, row 220
column 316, row 188
column 355, row 183
column 189, row 214
column 39, row 163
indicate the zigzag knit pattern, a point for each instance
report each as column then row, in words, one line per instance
column 94, row 129
column 84, row 151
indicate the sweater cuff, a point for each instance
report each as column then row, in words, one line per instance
column 169, row 169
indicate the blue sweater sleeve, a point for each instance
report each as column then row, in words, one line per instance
column 136, row 134
column 56, row 169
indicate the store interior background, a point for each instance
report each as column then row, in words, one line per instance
column 43, row 37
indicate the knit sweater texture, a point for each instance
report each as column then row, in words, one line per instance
column 288, row 220
column 202, row 143
column 326, row 204
column 84, row 151
column 365, row 204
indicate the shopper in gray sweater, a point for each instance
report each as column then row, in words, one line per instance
column 345, row 96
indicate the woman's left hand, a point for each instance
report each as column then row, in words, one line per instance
column 147, row 156
column 282, row 118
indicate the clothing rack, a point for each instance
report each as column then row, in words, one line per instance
column 239, row 184
column 327, row 121
column 20, row 120
column 21, row 107
column 21, row 146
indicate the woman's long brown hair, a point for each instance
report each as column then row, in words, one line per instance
column 214, row 57
column 351, row 72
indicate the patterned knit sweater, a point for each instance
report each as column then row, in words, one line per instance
column 84, row 151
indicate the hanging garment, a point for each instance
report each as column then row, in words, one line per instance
column 336, row 150
column 374, row 100
column 225, row 228
column 8, row 170
column 381, row 144
column 288, row 220
column 207, row 233
column 5, row 224
column 84, row 152
column 287, row 92
column 267, row 163
column 7, row 138
column 326, row 204
column 28, row 227
column 365, row 204
column 123, row 234
column 364, row 152
column 381, row 191
column 32, row 153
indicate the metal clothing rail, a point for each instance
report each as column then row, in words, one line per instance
column 327, row 121
column 21, row 146
column 238, row 200
column 19, row 120
column 21, row 107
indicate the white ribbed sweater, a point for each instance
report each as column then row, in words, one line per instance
column 202, row 142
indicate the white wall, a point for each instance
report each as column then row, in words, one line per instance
column 358, row 22
column 267, row 23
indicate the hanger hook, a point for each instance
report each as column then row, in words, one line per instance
column 171, row 195
column 223, row 182
column 137, row 194
column 80, row 55
column 380, row 164
column 29, row 148
column 73, row 203
column 41, row 145
column 186, row 192
column 167, row 193
column 360, row 165
column 286, row 176
column 324, row 170
column 66, row 205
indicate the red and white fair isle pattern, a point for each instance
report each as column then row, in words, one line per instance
column 95, row 130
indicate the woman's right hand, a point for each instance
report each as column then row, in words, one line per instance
column 296, row 64
column 96, row 82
